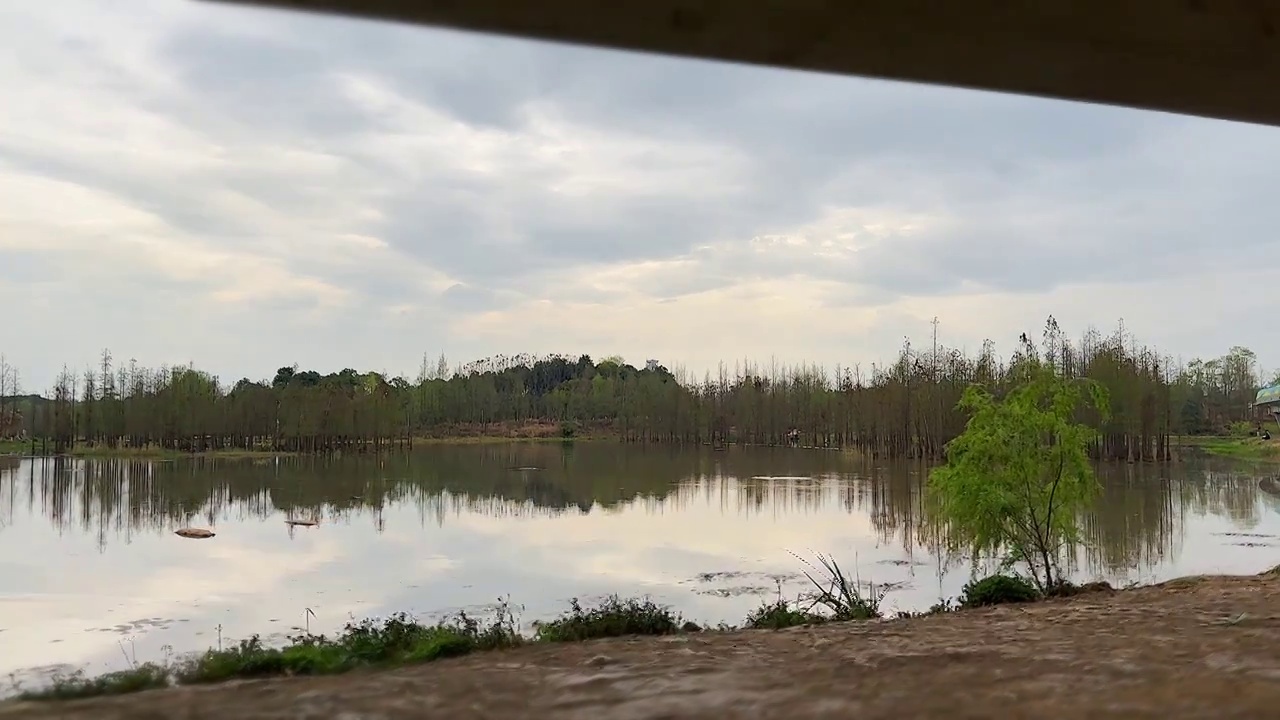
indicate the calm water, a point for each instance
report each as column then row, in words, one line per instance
column 90, row 570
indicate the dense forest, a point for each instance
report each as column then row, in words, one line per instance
column 901, row 409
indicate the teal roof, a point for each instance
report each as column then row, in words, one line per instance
column 1268, row 395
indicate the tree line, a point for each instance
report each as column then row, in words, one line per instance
column 905, row 409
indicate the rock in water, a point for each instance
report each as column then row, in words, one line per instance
column 195, row 533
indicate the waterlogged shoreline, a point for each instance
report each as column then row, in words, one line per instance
column 1226, row 446
column 545, row 432
column 375, row 652
column 23, row 449
column 401, row 640
column 1174, row 638
column 1249, row 449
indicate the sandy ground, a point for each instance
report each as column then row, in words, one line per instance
column 1191, row 648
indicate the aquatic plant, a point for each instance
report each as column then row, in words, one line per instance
column 840, row 594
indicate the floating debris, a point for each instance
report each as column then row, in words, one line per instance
column 775, row 577
column 738, row 591
column 1233, row 619
column 781, row 477
column 302, row 523
column 526, row 468
column 723, row 575
column 194, row 533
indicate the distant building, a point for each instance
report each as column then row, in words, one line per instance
column 652, row 365
column 1267, row 403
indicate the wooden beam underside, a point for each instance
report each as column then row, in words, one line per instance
column 1212, row 58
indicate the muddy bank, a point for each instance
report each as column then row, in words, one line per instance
column 1204, row 647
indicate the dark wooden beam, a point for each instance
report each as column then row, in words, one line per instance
column 1214, row 58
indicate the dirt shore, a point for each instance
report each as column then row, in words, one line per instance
column 1206, row 647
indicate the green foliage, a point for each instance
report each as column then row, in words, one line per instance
column 614, row 617
column 998, row 589
column 147, row 676
column 395, row 640
column 1241, row 429
column 781, row 614
column 1018, row 476
column 15, row 447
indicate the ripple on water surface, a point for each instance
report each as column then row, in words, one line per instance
column 91, row 573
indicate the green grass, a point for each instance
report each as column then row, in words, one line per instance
column 782, row 613
column 396, row 640
column 504, row 439
column 147, row 676
column 393, row 641
column 1238, row 448
column 614, row 617
column 16, row 447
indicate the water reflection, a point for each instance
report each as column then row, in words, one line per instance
column 88, row 560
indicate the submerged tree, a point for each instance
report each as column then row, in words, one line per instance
column 1017, row 478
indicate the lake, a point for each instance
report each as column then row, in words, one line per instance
column 92, row 576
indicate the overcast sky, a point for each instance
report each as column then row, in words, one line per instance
column 247, row 189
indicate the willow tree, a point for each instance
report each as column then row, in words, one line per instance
column 1016, row 480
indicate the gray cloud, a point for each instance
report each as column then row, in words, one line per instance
column 466, row 298
column 404, row 181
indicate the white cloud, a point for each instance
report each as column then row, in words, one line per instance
column 253, row 188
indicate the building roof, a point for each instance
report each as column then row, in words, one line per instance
column 1268, row 395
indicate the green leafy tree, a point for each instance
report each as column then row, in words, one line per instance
column 1017, row 478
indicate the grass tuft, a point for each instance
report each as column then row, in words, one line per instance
column 73, row 686
column 998, row 590
column 396, row 640
column 841, row 594
column 614, row 617
column 781, row 614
